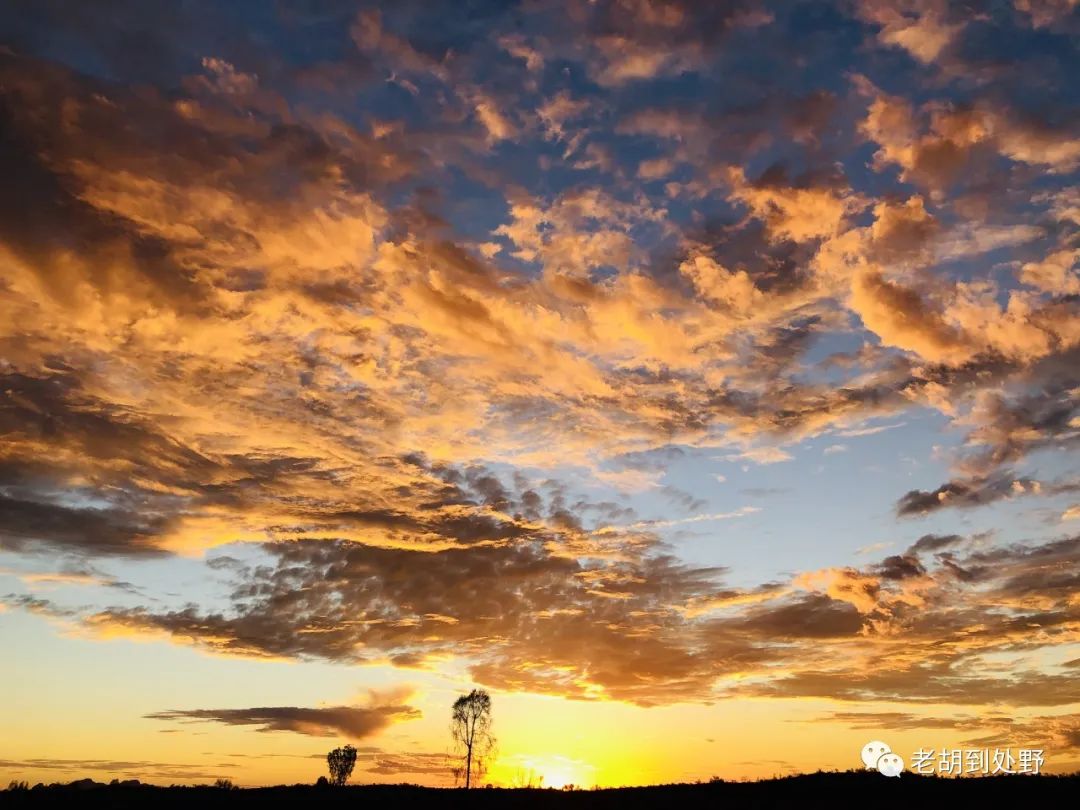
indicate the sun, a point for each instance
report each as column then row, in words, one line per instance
column 549, row 771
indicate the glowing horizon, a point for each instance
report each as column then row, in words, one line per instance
column 699, row 379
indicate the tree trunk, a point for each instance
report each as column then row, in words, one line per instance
column 468, row 768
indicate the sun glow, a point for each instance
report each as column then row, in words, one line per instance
column 547, row 771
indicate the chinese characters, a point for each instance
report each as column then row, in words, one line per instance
column 970, row 761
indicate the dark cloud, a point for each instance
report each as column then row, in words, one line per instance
column 900, row 566
column 809, row 617
column 972, row 493
column 1008, row 428
column 94, row 531
column 617, row 630
column 354, row 722
column 935, row 542
column 929, row 683
column 494, row 604
column 140, row 769
column 1061, row 733
column 960, row 493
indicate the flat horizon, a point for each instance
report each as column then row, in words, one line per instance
column 561, row 392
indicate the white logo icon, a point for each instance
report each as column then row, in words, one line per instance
column 872, row 751
column 877, row 755
column 890, row 765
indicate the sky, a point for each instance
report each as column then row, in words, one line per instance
column 701, row 379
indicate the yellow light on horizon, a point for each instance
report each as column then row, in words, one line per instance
column 546, row 771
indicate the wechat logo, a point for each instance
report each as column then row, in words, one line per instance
column 877, row 756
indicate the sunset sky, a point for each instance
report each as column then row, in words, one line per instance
column 702, row 379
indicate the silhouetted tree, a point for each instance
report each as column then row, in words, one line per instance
column 526, row 778
column 224, row 784
column 470, row 728
column 341, row 762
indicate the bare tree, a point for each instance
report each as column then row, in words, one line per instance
column 341, row 762
column 526, row 778
column 470, row 728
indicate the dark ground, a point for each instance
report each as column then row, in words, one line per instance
column 833, row 790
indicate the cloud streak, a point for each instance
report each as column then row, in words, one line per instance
column 353, row 722
column 424, row 328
